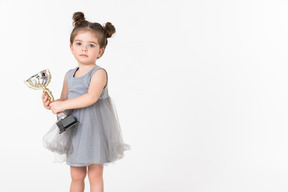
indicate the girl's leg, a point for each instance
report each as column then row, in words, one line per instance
column 78, row 175
column 95, row 175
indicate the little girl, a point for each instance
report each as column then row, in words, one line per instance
column 96, row 140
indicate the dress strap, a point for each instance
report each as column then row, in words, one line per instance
column 97, row 68
column 69, row 74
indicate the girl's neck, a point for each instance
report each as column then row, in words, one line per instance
column 83, row 69
column 85, row 66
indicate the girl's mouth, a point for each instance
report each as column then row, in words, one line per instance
column 83, row 55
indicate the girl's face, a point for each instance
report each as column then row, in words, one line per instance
column 85, row 48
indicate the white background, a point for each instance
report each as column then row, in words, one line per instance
column 200, row 89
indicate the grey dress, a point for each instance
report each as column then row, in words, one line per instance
column 97, row 139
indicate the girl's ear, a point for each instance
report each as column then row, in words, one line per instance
column 101, row 51
column 71, row 48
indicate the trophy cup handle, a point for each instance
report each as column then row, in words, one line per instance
column 49, row 93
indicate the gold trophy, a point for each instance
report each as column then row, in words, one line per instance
column 41, row 81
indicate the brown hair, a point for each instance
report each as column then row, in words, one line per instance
column 102, row 32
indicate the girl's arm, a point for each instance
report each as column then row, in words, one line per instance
column 98, row 82
column 64, row 95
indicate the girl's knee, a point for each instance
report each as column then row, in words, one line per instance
column 78, row 173
column 95, row 172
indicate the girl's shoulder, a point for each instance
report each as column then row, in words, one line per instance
column 71, row 71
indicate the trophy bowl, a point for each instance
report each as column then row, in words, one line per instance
column 40, row 81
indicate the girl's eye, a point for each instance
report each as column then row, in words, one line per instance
column 78, row 43
column 91, row 45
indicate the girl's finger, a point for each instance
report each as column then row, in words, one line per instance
column 46, row 98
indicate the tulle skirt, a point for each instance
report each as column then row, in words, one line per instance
column 96, row 139
column 58, row 143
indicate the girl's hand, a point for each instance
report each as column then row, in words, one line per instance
column 56, row 107
column 46, row 101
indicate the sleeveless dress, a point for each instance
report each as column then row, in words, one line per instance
column 97, row 138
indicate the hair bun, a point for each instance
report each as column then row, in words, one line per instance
column 109, row 29
column 78, row 18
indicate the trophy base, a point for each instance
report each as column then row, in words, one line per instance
column 66, row 123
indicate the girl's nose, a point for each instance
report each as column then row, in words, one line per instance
column 84, row 48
